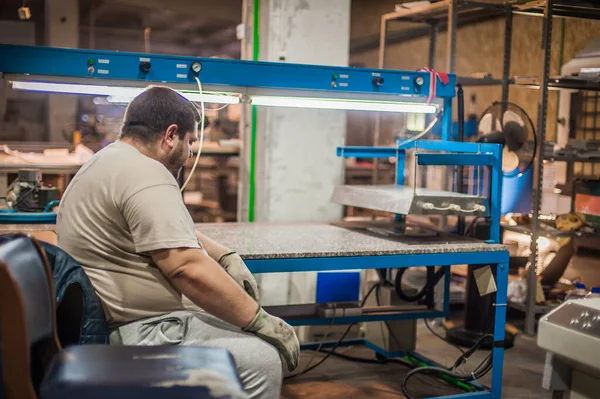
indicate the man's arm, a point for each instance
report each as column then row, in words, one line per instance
column 205, row 283
column 214, row 249
column 232, row 263
column 194, row 274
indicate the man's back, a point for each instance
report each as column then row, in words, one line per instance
column 121, row 205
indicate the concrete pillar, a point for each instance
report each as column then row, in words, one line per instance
column 62, row 30
column 296, row 165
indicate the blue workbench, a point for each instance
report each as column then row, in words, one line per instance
column 303, row 247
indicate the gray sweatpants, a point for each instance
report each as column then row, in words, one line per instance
column 258, row 363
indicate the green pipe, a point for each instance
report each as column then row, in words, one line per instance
column 255, row 56
column 445, row 377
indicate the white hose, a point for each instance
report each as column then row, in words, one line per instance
column 423, row 133
column 201, row 135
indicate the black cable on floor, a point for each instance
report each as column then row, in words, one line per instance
column 339, row 341
column 442, row 338
column 325, row 358
column 366, row 360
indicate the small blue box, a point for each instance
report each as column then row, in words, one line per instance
column 338, row 286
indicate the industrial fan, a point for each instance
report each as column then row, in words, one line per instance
column 508, row 124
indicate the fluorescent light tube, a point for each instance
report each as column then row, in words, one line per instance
column 352, row 105
column 117, row 93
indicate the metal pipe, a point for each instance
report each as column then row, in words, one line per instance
column 451, row 43
column 92, row 32
column 538, row 171
column 460, row 226
column 377, row 126
column 409, row 12
column 432, row 44
column 507, row 54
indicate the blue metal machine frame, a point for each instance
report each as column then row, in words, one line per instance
column 449, row 153
column 125, row 67
column 116, row 68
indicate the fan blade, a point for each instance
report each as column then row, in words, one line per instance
column 515, row 134
column 488, row 124
column 512, row 116
column 510, row 160
column 494, row 138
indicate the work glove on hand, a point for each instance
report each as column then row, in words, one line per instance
column 236, row 268
column 278, row 333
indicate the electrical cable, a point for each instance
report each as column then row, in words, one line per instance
column 339, row 341
column 201, row 135
column 324, row 338
column 390, row 330
column 471, row 225
column 306, row 370
column 217, row 109
column 366, row 360
column 482, row 369
column 467, row 354
column 423, row 133
column 442, row 338
column 422, row 292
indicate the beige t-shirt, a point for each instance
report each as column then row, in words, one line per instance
column 121, row 205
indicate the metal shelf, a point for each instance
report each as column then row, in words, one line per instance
column 539, row 309
column 448, row 13
column 548, row 231
column 564, row 9
column 438, row 12
column 469, row 81
column 558, row 83
column 571, row 158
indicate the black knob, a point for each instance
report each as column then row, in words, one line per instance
column 145, row 66
column 377, row 81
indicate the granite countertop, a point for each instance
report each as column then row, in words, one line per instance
column 25, row 228
column 310, row 240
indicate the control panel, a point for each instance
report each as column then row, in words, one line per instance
column 80, row 63
column 572, row 331
column 577, row 317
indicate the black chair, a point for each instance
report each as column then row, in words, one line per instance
column 34, row 366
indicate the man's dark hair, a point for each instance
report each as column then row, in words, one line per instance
column 152, row 111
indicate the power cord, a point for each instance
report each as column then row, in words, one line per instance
column 324, row 338
column 481, row 370
column 339, row 341
column 202, row 118
column 423, row 133
column 442, row 338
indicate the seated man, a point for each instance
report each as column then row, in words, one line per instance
column 161, row 282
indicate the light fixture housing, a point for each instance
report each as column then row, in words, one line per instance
column 344, row 104
column 124, row 94
column 116, row 94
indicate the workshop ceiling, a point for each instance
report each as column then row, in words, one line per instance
column 188, row 27
column 203, row 28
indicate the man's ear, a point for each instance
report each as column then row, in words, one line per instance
column 171, row 134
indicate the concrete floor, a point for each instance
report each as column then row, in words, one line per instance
column 338, row 378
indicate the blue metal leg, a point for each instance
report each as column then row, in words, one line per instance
column 472, row 395
column 382, row 351
column 499, row 330
column 447, row 120
column 496, row 195
column 447, row 277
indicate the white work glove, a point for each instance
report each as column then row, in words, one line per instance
column 236, row 268
column 278, row 333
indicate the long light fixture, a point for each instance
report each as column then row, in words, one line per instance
column 115, row 93
column 121, row 94
column 351, row 105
